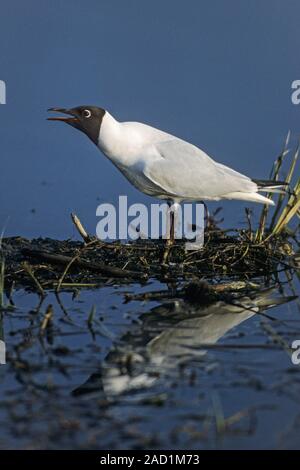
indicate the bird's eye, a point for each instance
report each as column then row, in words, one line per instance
column 87, row 113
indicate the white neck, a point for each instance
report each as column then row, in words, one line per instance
column 109, row 136
column 124, row 142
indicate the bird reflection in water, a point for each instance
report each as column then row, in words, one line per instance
column 171, row 335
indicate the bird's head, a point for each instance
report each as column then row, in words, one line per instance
column 87, row 119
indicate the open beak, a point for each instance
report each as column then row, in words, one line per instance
column 69, row 120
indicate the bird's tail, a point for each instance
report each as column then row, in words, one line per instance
column 272, row 186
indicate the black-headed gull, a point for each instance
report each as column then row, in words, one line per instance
column 162, row 165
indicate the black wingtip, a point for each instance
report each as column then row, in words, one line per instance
column 269, row 183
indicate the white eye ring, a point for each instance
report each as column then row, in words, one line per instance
column 87, row 113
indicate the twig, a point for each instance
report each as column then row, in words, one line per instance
column 273, row 176
column 65, row 271
column 282, row 196
column 81, row 230
column 108, row 271
column 47, row 319
column 29, row 271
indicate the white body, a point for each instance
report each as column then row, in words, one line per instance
column 164, row 166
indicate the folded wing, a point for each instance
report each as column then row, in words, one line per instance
column 187, row 172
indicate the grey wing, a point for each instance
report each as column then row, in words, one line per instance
column 187, row 172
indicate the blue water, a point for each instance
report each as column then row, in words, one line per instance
column 142, row 371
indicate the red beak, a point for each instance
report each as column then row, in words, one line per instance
column 69, row 120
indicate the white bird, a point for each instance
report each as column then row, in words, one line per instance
column 162, row 165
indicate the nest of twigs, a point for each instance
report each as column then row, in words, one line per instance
column 51, row 264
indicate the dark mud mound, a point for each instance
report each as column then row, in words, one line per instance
column 41, row 264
